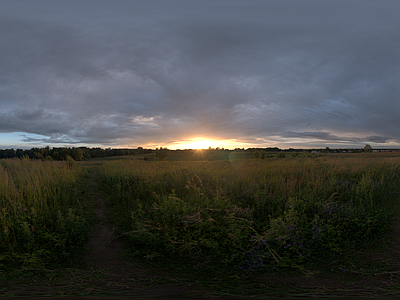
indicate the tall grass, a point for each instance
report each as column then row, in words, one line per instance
column 40, row 215
column 253, row 213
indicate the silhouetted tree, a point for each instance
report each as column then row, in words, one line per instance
column 367, row 148
column 162, row 153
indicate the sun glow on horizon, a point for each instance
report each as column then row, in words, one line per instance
column 197, row 144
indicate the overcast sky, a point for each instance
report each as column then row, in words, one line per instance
column 278, row 73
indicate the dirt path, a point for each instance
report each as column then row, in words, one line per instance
column 103, row 272
column 120, row 275
column 104, row 248
column 103, row 245
column 123, row 276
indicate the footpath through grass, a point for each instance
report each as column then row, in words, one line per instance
column 246, row 219
column 241, row 227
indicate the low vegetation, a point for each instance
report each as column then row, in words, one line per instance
column 248, row 215
column 42, row 220
column 253, row 215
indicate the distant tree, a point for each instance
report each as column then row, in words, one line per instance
column 77, row 154
column 45, row 151
column 97, row 152
column 256, row 154
column 367, row 148
column 326, row 150
column 19, row 153
column 38, row 155
column 56, row 155
column 9, row 153
column 162, row 153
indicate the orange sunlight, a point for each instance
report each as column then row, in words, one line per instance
column 204, row 143
column 196, row 144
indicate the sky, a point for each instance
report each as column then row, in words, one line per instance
column 189, row 74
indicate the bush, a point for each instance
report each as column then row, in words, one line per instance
column 254, row 214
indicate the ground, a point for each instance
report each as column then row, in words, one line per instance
column 105, row 272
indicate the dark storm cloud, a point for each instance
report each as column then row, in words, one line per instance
column 260, row 72
column 326, row 136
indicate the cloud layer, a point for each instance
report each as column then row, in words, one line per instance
column 266, row 73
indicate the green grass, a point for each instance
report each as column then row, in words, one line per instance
column 220, row 223
column 253, row 215
column 42, row 219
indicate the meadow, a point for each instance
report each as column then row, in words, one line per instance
column 42, row 220
column 253, row 215
column 249, row 215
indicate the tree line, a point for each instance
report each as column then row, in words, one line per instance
column 85, row 153
column 64, row 153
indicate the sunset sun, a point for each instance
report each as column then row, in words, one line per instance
column 197, row 144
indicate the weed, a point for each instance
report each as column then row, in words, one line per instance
column 41, row 218
column 253, row 214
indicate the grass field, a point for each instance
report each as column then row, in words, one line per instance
column 242, row 216
column 42, row 219
column 253, row 215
